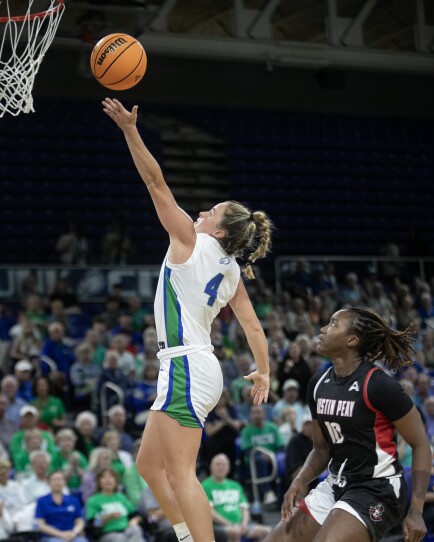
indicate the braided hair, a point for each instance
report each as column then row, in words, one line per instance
column 246, row 231
column 380, row 342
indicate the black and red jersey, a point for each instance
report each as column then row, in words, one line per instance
column 355, row 414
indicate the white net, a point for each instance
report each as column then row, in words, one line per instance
column 25, row 38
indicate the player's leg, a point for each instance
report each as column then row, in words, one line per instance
column 258, row 532
column 299, row 528
column 306, row 522
column 150, row 464
column 232, row 534
column 366, row 511
column 341, row 526
column 180, row 447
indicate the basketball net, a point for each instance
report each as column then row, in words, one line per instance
column 25, row 39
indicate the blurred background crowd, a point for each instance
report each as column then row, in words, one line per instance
column 77, row 382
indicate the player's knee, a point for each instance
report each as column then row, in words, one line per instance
column 141, row 467
column 146, row 469
column 263, row 531
column 288, row 531
column 173, row 478
column 177, row 477
column 297, row 527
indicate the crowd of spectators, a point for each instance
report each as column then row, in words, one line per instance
column 73, row 247
column 76, row 403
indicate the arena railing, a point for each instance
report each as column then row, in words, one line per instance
column 92, row 284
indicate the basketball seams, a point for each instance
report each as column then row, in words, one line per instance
column 96, row 53
column 129, row 75
column 116, row 59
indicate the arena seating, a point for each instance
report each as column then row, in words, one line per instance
column 333, row 184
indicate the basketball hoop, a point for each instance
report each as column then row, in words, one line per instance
column 25, row 38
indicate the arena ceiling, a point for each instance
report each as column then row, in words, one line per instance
column 379, row 34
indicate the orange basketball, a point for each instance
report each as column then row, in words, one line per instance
column 118, row 61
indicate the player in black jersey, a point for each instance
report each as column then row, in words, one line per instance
column 356, row 409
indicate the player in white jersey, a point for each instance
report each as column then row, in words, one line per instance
column 189, row 296
column 198, row 277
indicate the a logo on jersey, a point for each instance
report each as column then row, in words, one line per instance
column 327, row 381
column 376, row 512
column 225, row 261
column 354, row 386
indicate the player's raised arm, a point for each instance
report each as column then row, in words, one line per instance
column 174, row 220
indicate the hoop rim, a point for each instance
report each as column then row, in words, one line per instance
column 22, row 18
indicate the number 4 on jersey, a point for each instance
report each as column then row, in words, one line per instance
column 212, row 287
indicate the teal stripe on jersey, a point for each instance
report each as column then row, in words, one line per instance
column 178, row 404
column 178, row 401
column 172, row 313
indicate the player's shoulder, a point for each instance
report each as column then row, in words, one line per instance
column 377, row 374
column 205, row 241
column 378, row 381
column 216, row 256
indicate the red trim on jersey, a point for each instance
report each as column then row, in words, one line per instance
column 303, row 507
column 365, row 389
column 383, row 428
column 384, row 432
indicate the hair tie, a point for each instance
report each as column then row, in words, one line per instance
column 252, row 218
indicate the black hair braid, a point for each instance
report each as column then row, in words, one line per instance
column 380, row 342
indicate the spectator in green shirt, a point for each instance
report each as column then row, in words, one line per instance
column 68, row 460
column 32, row 441
column 51, row 409
column 120, row 458
column 29, row 416
column 96, row 340
column 230, row 508
column 113, row 511
column 35, row 313
column 138, row 313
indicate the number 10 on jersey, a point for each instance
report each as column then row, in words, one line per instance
column 335, row 432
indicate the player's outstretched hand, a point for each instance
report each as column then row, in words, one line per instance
column 261, row 385
column 115, row 110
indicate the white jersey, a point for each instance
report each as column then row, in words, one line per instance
column 190, row 295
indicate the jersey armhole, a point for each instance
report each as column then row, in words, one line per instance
column 365, row 389
column 189, row 261
column 319, row 382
